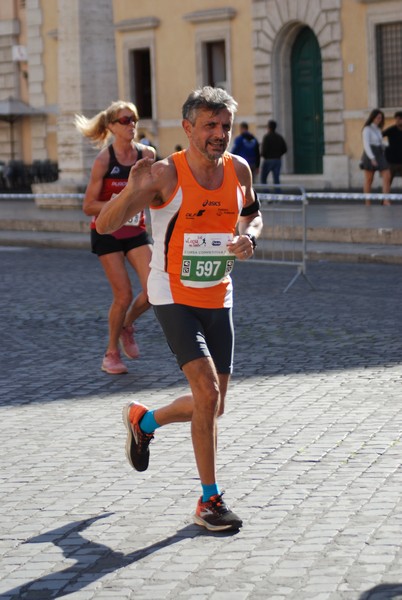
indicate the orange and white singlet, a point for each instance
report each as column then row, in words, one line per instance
column 190, row 262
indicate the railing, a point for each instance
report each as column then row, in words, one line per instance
column 18, row 176
column 30, row 196
column 352, row 196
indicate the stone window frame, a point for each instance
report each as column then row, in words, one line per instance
column 376, row 17
column 212, row 25
column 204, row 36
column 139, row 34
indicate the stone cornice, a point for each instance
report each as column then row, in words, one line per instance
column 137, row 24
column 213, row 14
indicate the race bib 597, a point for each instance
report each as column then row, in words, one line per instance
column 206, row 259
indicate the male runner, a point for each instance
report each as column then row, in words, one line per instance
column 204, row 215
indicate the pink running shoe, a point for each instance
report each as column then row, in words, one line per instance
column 113, row 364
column 128, row 343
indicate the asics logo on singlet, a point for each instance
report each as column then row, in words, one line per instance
column 115, row 171
column 211, row 203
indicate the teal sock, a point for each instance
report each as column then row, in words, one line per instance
column 148, row 423
column 209, row 490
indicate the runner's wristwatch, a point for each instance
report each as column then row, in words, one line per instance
column 252, row 239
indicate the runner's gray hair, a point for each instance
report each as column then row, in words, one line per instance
column 208, row 98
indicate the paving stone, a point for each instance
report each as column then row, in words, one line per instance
column 309, row 447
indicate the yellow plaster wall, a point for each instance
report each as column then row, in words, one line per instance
column 7, row 11
column 354, row 57
column 175, row 68
column 354, row 54
column 356, row 88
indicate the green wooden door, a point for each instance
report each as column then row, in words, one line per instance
column 307, row 106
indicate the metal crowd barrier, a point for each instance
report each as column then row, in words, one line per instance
column 284, row 237
column 352, row 196
column 31, row 196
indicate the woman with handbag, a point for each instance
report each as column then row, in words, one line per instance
column 373, row 158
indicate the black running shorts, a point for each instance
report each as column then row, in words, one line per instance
column 106, row 244
column 198, row 332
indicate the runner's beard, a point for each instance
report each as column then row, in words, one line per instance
column 218, row 152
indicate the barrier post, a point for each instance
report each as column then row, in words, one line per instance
column 290, row 206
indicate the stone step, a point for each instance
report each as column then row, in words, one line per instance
column 284, row 252
column 334, row 232
column 381, row 235
column 68, row 226
column 351, row 235
column 27, row 217
column 45, row 239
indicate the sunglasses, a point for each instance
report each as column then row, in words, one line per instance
column 126, row 120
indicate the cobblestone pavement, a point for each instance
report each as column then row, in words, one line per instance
column 309, row 449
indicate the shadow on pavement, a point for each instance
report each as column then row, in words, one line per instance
column 93, row 560
column 384, row 591
column 53, row 319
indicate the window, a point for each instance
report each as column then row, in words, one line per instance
column 140, row 79
column 389, row 64
column 215, row 64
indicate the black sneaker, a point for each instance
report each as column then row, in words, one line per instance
column 137, row 442
column 215, row 515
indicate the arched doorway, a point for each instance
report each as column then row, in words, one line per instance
column 307, row 104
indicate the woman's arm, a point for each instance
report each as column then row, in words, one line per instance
column 366, row 135
column 91, row 205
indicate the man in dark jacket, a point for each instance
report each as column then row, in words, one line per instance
column 393, row 152
column 247, row 146
column 273, row 147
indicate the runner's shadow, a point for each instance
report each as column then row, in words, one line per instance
column 93, row 560
column 384, row 591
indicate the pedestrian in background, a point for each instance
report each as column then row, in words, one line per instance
column 144, row 139
column 273, row 147
column 204, row 216
column 373, row 157
column 393, row 152
column 247, row 146
column 130, row 241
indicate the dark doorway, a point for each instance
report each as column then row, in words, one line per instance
column 141, row 88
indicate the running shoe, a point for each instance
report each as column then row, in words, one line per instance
column 137, row 450
column 113, row 364
column 128, row 343
column 215, row 515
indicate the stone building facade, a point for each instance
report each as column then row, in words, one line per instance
column 316, row 66
column 276, row 27
column 67, row 66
